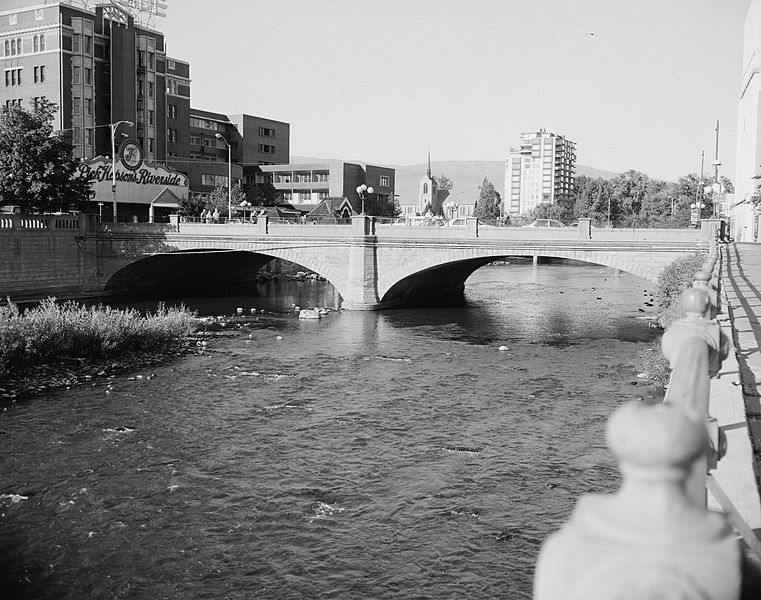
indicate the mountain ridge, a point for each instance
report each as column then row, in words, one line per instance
column 466, row 175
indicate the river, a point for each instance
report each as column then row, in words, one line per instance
column 386, row 455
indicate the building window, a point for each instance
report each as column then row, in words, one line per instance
column 7, row 48
column 172, row 111
column 76, row 105
column 13, row 47
column 88, row 76
column 88, row 136
column 305, row 197
column 324, row 195
column 266, row 132
column 322, row 177
column 36, row 74
column 151, row 61
column 287, row 196
column 196, row 140
column 150, row 145
column 266, row 149
column 384, row 181
column 75, row 74
column 171, row 87
column 171, row 134
column 35, row 44
column 38, row 14
column 150, row 117
column 88, row 104
column 284, row 178
column 76, row 43
column 150, row 89
column 304, row 178
column 42, row 42
column 88, row 44
column 77, row 135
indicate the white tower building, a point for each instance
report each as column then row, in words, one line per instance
column 540, row 170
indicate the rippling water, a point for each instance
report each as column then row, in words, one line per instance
column 367, row 455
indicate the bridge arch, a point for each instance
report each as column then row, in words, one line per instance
column 184, row 270
column 445, row 272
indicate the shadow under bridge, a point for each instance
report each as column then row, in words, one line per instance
column 188, row 271
column 436, row 285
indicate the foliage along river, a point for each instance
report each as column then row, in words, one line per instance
column 366, row 455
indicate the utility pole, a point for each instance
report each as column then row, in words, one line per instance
column 716, row 185
column 699, row 187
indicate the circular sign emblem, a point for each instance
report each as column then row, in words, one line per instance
column 131, row 154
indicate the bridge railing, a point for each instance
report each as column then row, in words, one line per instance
column 44, row 221
column 655, row 538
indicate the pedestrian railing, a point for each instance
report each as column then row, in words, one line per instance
column 655, row 538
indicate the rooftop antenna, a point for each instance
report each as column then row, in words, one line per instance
column 145, row 12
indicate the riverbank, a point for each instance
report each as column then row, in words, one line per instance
column 56, row 345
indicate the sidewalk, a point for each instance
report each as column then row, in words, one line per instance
column 736, row 392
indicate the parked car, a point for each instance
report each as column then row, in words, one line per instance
column 577, row 225
column 545, row 224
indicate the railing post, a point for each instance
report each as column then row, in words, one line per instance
column 262, row 225
column 695, row 347
column 648, row 540
column 174, row 221
column 362, row 225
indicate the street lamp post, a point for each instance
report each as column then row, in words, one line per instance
column 113, row 159
column 245, row 205
column 364, row 192
column 219, row 136
column 697, row 207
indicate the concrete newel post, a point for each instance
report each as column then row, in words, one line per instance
column 262, row 225
column 471, row 223
column 585, row 228
column 648, row 541
column 695, row 347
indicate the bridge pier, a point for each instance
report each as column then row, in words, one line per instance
column 361, row 292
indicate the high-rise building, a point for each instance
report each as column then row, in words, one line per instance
column 744, row 218
column 98, row 67
column 540, row 170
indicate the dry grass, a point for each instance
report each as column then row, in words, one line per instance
column 53, row 331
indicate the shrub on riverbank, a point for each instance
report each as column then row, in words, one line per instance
column 52, row 331
column 674, row 279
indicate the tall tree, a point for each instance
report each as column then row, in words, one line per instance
column 219, row 198
column 488, row 203
column 545, row 210
column 444, row 183
column 37, row 169
column 261, row 194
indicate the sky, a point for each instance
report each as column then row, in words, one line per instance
column 637, row 84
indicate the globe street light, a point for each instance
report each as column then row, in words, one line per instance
column 364, row 192
column 697, row 206
column 113, row 127
column 229, row 176
column 245, row 205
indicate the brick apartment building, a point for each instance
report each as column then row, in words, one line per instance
column 100, row 67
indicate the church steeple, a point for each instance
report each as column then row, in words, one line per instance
column 428, row 172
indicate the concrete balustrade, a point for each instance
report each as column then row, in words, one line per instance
column 655, row 538
column 649, row 540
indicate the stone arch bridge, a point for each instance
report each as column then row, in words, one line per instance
column 372, row 265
